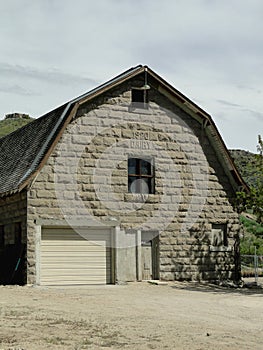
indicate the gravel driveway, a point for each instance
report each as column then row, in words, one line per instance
column 133, row 316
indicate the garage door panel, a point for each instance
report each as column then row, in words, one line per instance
column 88, row 241
column 70, row 272
column 70, row 255
column 76, row 265
column 76, row 243
column 66, row 248
column 68, row 258
column 78, row 259
column 80, row 235
column 68, row 281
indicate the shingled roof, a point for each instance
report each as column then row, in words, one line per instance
column 22, row 151
column 19, row 149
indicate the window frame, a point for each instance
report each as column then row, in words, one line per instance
column 222, row 245
column 138, row 175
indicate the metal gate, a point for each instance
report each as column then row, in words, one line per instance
column 252, row 266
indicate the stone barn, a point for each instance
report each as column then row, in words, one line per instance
column 128, row 182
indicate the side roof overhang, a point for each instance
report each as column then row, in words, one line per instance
column 25, row 151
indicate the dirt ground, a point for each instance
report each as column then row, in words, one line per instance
column 133, row 316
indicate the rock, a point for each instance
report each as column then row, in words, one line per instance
column 252, row 285
column 121, row 283
column 158, row 283
column 228, row 284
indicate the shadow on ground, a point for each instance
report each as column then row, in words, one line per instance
column 216, row 289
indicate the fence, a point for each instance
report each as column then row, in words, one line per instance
column 252, row 266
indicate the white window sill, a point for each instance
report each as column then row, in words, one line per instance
column 136, row 109
column 136, row 197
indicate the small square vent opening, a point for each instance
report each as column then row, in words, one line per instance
column 140, row 98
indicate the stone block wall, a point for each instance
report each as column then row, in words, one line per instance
column 86, row 178
column 13, row 210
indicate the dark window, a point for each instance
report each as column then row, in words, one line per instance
column 2, row 236
column 140, row 98
column 219, row 235
column 140, row 175
column 18, row 233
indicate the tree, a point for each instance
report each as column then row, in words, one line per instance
column 254, row 199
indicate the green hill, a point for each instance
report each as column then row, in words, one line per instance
column 252, row 235
column 13, row 122
column 250, row 167
column 247, row 165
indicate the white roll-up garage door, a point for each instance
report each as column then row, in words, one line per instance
column 68, row 258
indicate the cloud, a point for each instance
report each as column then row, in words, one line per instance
column 49, row 75
column 243, row 87
column 229, row 104
column 17, row 90
column 257, row 115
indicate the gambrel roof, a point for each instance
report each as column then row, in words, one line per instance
column 23, row 152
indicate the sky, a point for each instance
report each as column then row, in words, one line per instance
column 211, row 50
